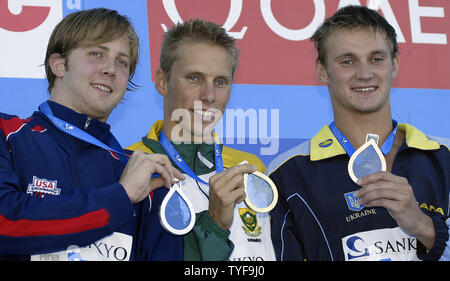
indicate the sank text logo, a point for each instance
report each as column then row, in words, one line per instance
column 40, row 187
column 380, row 244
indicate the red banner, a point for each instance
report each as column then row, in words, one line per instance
column 274, row 36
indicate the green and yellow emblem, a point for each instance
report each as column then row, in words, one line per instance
column 250, row 226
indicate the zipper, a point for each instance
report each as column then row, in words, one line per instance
column 193, row 169
column 88, row 121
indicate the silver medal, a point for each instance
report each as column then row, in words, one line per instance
column 367, row 159
column 262, row 194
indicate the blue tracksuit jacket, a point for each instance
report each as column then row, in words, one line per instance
column 57, row 192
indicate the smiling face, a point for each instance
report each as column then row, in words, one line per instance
column 93, row 79
column 199, row 88
column 358, row 71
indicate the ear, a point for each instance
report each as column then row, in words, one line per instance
column 57, row 64
column 161, row 82
column 395, row 66
column 321, row 72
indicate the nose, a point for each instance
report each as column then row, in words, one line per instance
column 364, row 71
column 208, row 92
column 109, row 68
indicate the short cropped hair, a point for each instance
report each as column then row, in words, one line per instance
column 353, row 17
column 196, row 31
column 90, row 27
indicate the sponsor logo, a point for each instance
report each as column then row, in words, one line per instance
column 431, row 208
column 247, row 258
column 250, row 227
column 116, row 247
column 40, row 187
column 352, row 202
column 380, row 244
column 326, row 143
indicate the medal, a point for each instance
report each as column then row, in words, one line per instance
column 367, row 159
column 262, row 194
column 177, row 213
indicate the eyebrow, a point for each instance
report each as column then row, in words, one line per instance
column 198, row 73
column 349, row 54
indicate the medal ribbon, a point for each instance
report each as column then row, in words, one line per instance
column 176, row 157
column 111, row 143
column 347, row 146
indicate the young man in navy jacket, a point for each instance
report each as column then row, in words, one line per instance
column 396, row 214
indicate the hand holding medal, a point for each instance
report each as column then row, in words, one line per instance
column 226, row 189
column 260, row 191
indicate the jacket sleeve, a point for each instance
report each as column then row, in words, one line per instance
column 446, row 255
column 283, row 229
column 442, row 238
column 33, row 225
column 207, row 241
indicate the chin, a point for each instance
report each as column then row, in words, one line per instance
column 367, row 109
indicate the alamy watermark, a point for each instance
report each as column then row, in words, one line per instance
column 251, row 126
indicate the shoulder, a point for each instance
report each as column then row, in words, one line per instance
column 139, row 146
column 232, row 157
column 303, row 149
column 417, row 139
column 11, row 124
column 441, row 141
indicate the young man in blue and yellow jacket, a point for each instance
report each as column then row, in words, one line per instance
column 198, row 60
column 397, row 214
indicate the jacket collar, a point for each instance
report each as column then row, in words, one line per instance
column 93, row 126
column 325, row 145
column 189, row 152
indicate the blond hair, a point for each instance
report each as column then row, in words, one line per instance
column 90, row 27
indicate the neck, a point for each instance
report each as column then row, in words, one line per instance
column 70, row 104
column 355, row 128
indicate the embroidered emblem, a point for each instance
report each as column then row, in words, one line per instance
column 352, row 202
column 326, row 143
column 250, row 222
column 40, row 187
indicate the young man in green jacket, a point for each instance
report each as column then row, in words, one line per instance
column 198, row 61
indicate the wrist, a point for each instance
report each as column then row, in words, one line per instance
column 217, row 221
column 426, row 233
